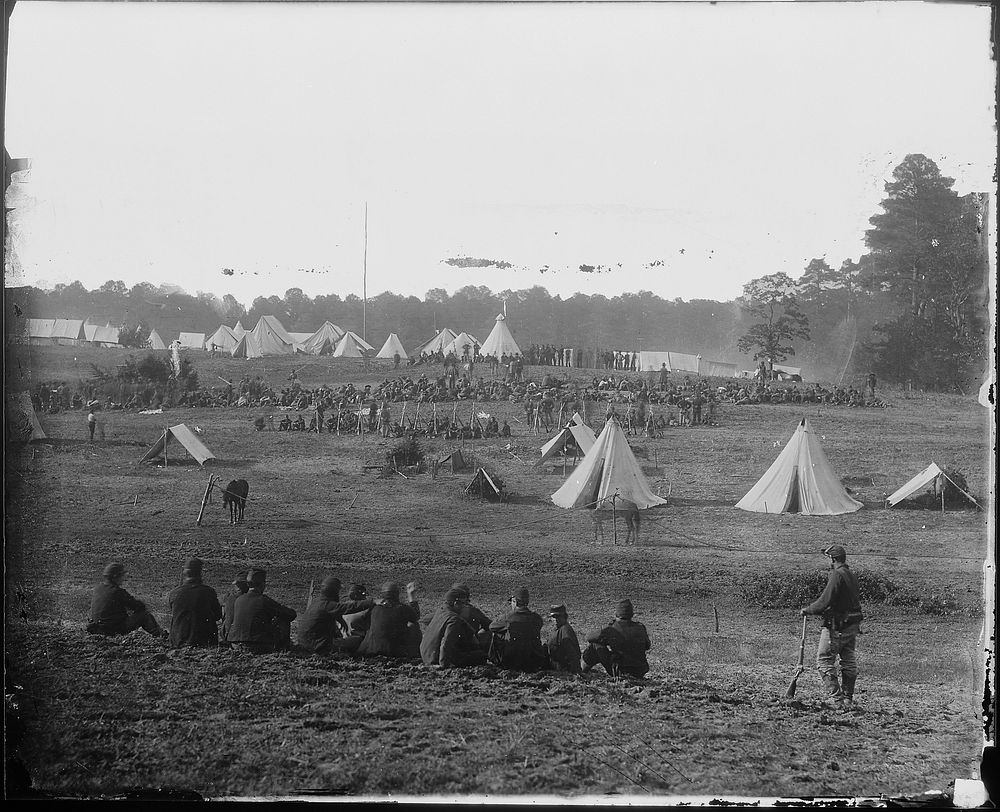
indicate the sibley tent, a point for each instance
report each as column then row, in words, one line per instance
column 392, row 347
column 800, row 480
column 500, row 342
column 186, row 438
column 609, row 469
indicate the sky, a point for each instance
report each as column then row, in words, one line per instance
column 680, row 148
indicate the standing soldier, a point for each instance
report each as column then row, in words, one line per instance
column 91, row 423
column 840, row 606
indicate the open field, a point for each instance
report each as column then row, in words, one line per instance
column 104, row 716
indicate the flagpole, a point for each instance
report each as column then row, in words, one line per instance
column 364, row 282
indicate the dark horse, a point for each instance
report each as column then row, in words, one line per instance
column 235, row 495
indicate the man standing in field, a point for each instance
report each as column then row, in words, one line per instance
column 620, row 646
column 260, row 624
column 91, row 423
column 840, row 606
column 113, row 611
column 194, row 610
column 563, row 646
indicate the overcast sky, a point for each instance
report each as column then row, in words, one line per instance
column 683, row 148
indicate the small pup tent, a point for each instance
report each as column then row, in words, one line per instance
column 800, row 480
column 392, row 347
column 155, row 342
column 608, row 469
column 580, row 434
column 323, row 341
column 928, row 476
column 186, row 438
column 500, row 342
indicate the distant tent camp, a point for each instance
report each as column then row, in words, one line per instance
column 223, row 339
column 392, row 348
column 68, row 331
column 460, row 342
column 500, row 342
column 800, row 480
column 155, row 342
column 650, row 361
column 575, row 430
column 323, row 341
column 608, row 469
column 718, row 369
column 270, row 338
column 106, row 336
column 192, row 341
column 186, row 438
column 351, row 345
column 436, row 344
column 239, row 330
column 22, row 422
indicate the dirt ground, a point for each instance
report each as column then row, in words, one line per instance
column 105, row 716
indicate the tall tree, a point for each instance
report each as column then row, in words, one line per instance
column 771, row 300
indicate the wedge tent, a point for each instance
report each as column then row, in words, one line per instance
column 247, row 347
column 609, row 469
column 269, row 337
column 926, row 477
column 436, row 344
column 323, row 341
column 238, row 330
column 223, row 339
column 155, row 342
column 192, row 341
column 459, row 344
column 195, row 447
column 392, row 347
column 800, row 480
column 581, row 435
column 500, row 342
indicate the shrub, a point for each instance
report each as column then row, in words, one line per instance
column 405, row 452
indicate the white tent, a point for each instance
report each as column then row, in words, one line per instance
column 89, row 330
column 40, row 331
column 436, row 344
column 392, row 347
column 269, row 337
column 926, row 477
column 223, row 339
column 68, row 331
column 500, row 342
column 351, row 345
column 195, row 447
column 22, row 422
column 299, row 338
column 581, row 434
column 719, row 369
column 247, row 347
column 800, row 480
column 460, row 342
column 609, row 469
column 239, row 330
column 652, row 361
column 323, row 341
column 155, row 342
column 192, row 341
column 106, row 336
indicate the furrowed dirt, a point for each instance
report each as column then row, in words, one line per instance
column 103, row 716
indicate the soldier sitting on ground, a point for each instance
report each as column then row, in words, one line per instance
column 320, row 627
column 620, row 646
column 394, row 629
column 194, row 610
column 113, row 611
column 450, row 640
column 260, row 624
column 355, row 624
column 475, row 616
column 240, row 587
column 520, row 632
column 562, row 646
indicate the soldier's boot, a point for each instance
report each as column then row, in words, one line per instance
column 848, row 689
column 834, row 695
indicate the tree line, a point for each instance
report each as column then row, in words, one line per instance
column 912, row 308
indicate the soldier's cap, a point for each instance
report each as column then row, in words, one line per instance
column 461, row 588
column 390, row 590
column 453, row 595
column 555, row 611
column 834, row 551
column 193, row 566
column 521, row 596
column 625, row 609
column 241, row 581
column 330, row 586
column 257, row 577
column 114, row 570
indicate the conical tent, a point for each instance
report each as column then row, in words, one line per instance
column 921, row 480
column 186, row 438
column 271, row 338
column 351, row 346
column 155, row 342
column 460, row 342
column 608, row 469
column 223, row 339
column 436, row 344
column 800, row 480
column 323, row 341
column 392, row 348
column 239, row 330
column 500, row 342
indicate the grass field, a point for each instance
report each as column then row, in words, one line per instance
column 103, row 716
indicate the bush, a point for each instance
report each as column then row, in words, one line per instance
column 787, row 590
column 405, row 452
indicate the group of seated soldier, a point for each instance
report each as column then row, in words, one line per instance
column 458, row 633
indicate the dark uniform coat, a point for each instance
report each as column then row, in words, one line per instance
column 450, row 641
column 320, row 625
column 523, row 650
column 564, row 650
column 109, row 608
column 387, row 632
column 252, row 616
column 840, row 603
column 194, row 615
column 628, row 642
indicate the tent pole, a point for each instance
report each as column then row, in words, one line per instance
column 204, row 500
column 614, row 520
column 165, row 448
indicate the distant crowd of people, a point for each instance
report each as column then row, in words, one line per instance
column 457, row 634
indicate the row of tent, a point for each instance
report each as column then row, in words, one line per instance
column 800, row 480
column 71, row 331
column 654, row 361
column 269, row 337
